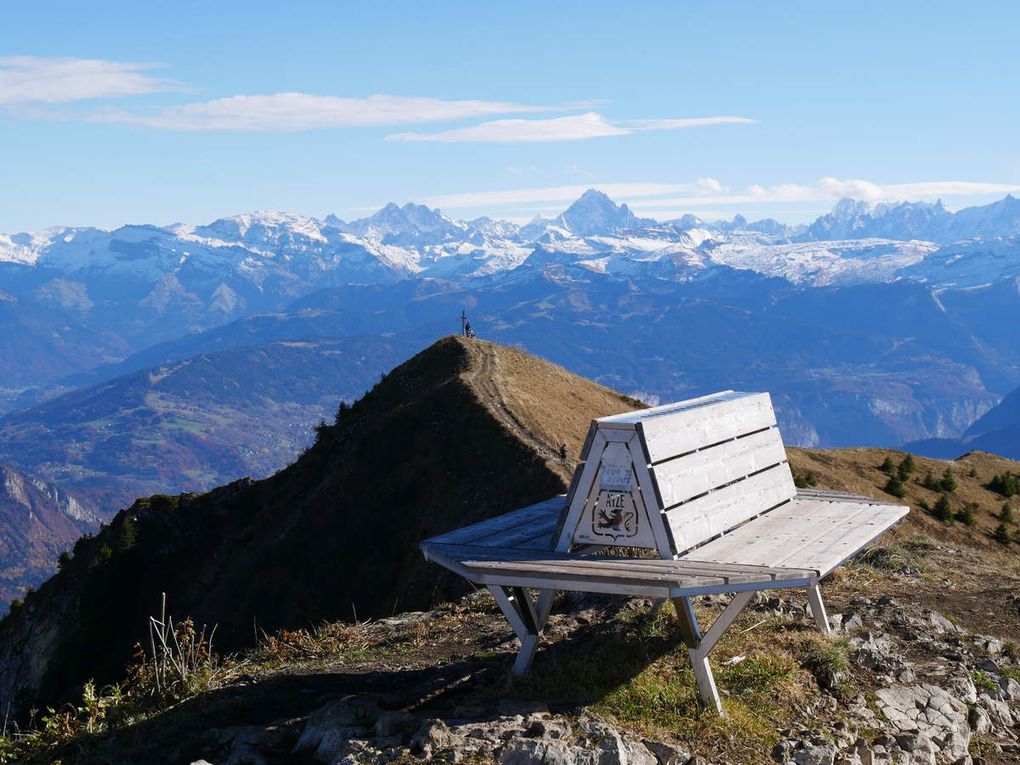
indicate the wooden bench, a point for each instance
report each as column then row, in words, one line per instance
column 703, row 483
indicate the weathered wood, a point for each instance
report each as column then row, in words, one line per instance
column 710, row 515
column 476, row 531
column 582, row 494
column 680, row 479
column 674, row 433
column 817, row 606
column 689, row 629
column 804, row 534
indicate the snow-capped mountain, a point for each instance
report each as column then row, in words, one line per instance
column 929, row 221
column 250, row 253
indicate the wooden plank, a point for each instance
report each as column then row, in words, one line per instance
column 682, row 567
column 765, row 540
column 685, row 430
column 710, row 515
column 833, row 494
column 827, row 550
column 623, row 570
column 539, row 582
column 523, row 516
column 806, row 534
column 679, row 479
column 582, row 493
column 632, row 417
column 650, row 502
column 541, row 527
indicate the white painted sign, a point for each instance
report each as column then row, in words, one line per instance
column 616, row 477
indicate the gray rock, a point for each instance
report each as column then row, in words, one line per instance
column 392, row 724
column 249, row 744
column 522, row 751
column 817, row 752
column 1010, row 688
column 434, row 736
column 667, row 754
column 980, row 721
column 940, row 624
column 330, row 727
column 548, row 729
column 998, row 711
column 931, row 711
column 612, row 748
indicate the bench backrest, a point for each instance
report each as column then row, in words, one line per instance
column 674, row 476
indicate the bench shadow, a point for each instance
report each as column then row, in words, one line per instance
column 472, row 688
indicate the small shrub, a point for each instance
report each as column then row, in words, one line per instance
column 924, row 505
column 930, row 482
column 906, row 467
column 895, row 487
column 983, row 682
column 322, row 429
column 947, row 482
column 806, row 480
column 1006, row 514
column 341, row 410
column 1005, row 484
column 1002, row 534
column 827, row 661
column 965, row 514
column 887, row 466
column 942, row 510
column 972, row 473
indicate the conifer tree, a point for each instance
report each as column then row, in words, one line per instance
column 942, row 510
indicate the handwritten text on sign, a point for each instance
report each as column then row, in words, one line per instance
column 616, row 478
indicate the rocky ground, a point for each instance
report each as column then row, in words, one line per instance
column 898, row 682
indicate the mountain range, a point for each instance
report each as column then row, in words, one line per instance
column 162, row 359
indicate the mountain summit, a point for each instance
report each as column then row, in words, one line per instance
column 462, row 431
column 595, row 213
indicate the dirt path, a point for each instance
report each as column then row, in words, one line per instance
column 485, row 376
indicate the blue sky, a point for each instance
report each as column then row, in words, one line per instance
column 127, row 112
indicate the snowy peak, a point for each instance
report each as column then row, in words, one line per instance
column 410, row 224
column 906, row 221
column 595, row 213
column 264, row 227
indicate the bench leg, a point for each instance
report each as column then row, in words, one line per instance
column 688, row 622
column 526, row 618
column 814, row 595
column 700, row 645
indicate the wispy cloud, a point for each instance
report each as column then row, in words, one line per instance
column 576, row 127
column 36, row 79
column 827, row 189
column 570, row 193
column 302, row 111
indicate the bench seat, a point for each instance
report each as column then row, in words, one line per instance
column 649, row 577
column 704, row 488
column 808, row 532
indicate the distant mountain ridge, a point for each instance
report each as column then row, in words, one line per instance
column 38, row 522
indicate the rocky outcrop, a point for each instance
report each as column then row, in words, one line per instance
column 938, row 696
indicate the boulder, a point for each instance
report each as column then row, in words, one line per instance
column 929, row 710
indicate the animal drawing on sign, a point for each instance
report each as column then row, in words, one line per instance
column 615, row 516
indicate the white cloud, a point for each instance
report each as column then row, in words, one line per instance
column 690, row 122
column 828, row 189
column 28, row 79
column 301, row 111
column 570, row 193
column 577, row 127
